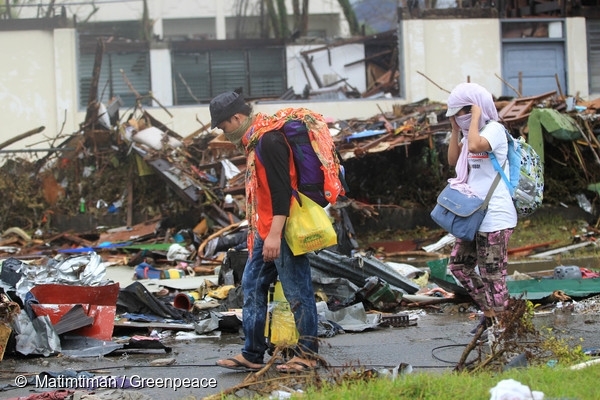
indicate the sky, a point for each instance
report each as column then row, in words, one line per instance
column 380, row 15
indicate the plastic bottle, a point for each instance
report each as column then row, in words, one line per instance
column 82, row 205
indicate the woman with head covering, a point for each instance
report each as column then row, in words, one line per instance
column 475, row 133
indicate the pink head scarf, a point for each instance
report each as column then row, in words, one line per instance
column 467, row 93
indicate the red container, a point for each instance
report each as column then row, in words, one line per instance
column 99, row 302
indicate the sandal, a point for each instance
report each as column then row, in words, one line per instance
column 237, row 365
column 295, row 366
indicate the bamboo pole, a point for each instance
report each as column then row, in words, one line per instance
column 510, row 86
column 438, row 86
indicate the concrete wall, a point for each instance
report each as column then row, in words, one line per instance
column 576, row 58
column 448, row 53
column 38, row 76
column 38, row 84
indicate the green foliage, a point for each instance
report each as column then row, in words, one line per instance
column 527, row 318
column 561, row 348
column 350, row 16
column 553, row 382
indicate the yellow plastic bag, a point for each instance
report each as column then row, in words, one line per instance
column 308, row 228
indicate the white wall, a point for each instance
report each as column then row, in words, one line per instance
column 448, row 53
column 38, row 85
column 132, row 9
column 185, row 119
column 576, row 58
column 451, row 52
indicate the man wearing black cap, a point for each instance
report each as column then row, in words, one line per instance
column 269, row 183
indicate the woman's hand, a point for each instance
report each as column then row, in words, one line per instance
column 455, row 128
column 475, row 114
column 477, row 144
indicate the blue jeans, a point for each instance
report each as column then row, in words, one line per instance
column 296, row 281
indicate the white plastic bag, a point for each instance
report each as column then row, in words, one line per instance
column 509, row 389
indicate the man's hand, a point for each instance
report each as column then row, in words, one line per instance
column 271, row 248
column 272, row 245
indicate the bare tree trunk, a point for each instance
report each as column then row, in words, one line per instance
column 264, row 21
column 300, row 27
column 304, row 19
column 92, row 105
column 146, row 33
column 240, row 18
column 350, row 16
column 297, row 15
column 8, row 14
column 282, row 10
column 273, row 18
column 49, row 10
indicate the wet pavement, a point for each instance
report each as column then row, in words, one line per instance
column 433, row 345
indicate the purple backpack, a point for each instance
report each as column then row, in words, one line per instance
column 308, row 165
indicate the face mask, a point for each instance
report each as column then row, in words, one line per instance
column 463, row 122
column 236, row 136
column 237, row 141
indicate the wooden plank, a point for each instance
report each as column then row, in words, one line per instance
column 520, row 108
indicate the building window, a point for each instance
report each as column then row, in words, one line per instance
column 120, row 75
column 200, row 75
column 534, row 29
column 593, row 43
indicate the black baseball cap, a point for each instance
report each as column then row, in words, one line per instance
column 224, row 106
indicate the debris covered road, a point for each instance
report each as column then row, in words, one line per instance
column 433, row 345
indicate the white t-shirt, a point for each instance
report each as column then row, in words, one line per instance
column 501, row 213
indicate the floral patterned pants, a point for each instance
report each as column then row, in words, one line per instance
column 481, row 268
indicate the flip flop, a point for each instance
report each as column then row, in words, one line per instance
column 240, row 366
column 288, row 367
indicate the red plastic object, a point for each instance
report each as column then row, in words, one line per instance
column 99, row 302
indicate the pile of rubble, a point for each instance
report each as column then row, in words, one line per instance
column 141, row 197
